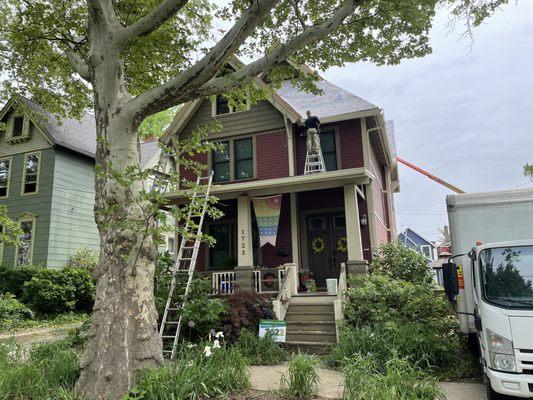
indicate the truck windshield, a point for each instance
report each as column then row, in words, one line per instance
column 508, row 276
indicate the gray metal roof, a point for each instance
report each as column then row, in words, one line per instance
column 333, row 102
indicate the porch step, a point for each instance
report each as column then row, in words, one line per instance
column 318, row 348
column 320, row 336
column 307, row 326
column 309, row 317
column 308, row 300
column 312, row 308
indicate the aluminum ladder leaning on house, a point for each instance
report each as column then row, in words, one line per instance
column 184, row 265
column 314, row 162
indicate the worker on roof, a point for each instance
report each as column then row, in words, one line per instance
column 312, row 127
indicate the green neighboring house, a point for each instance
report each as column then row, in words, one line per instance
column 47, row 184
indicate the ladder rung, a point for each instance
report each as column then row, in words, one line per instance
column 185, row 259
column 167, row 351
column 168, row 336
column 173, row 309
column 171, row 323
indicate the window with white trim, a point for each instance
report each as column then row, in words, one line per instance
column 5, row 174
column 171, row 244
column 30, row 178
column 221, row 105
column 24, row 253
column 426, row 251
column 234, row 160
column 18, row 128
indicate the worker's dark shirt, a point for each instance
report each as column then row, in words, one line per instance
column 312, row 122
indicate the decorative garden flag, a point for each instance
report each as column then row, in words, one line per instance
column 267, row 211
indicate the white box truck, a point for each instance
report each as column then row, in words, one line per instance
column 490, row 280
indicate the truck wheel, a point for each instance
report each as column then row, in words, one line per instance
column 473, row 344
column 492, row 395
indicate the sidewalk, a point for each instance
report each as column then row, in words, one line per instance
column 49, row 334
column 331, row 383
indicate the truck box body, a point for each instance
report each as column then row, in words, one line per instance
column 489, row 217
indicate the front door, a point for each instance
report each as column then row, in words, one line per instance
column 326, row 237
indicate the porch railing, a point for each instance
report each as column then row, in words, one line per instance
column 288, row 288
column 339, row 301
column 266, row 280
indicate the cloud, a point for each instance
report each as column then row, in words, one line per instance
column 464, row 114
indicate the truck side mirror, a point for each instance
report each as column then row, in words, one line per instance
column 450, row 280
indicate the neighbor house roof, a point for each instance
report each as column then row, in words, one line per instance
column 149, row 149
column 333, row 104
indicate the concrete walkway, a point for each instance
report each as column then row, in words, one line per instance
column 48, row 334
column 331, row 383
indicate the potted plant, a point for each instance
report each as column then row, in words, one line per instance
column 305, row 276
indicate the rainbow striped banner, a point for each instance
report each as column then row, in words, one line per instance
column 267, row 210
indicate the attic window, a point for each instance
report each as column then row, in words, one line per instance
column 18, row 128
column 221, row 105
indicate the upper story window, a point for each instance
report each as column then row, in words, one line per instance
column 221, row 105
column 426, row 250
column 5, row 172
column 244, row 159
column 329, row 150
column 30, row 177
column 25, row 247
column 17, row 128
column 234, row 161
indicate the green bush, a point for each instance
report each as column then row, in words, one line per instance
column 260, row 351
column 195, row 375
column 46, row 371
column 398, row 379
column 60, row 291
column 84, row 259
column 301, row 379
column 12, row 311
column 12, row 279
column 399, row 262
column 78, row 337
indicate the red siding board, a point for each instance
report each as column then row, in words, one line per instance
column 351, row 144
column 272, row 155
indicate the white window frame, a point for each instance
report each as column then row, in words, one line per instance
column 430, row 256
column 171, row 250
column 232, row 110
column 26, row 218
column 38, row 154
column 11, row 126
column 10, row 160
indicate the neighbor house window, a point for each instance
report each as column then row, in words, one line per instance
column 18, row 128
column 221, row 163
column 171, row 244
column 426, row 250
column 329, row 150
column 1, row 244
column 30, row 178
column 24, row 251
column 220, row 254
column 5, row 172
column 244, row 159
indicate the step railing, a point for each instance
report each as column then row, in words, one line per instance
column 223, row 282
column 339, row 301
column 288, row 288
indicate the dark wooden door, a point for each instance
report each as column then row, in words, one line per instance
column 326, row 235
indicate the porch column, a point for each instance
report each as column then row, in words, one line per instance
column 295, row 237
column 245, row 257
column 356, row 264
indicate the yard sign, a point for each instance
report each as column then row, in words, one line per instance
column 276, row 328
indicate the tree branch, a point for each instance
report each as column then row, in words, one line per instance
column 171, row 92
column 277, row 54
column 78, row 64
column 151, row 21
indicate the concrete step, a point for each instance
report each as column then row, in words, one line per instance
column 305, row 326
column 312, row 300
column 314, row 336
column 318, row 348
column 309, row 317
column 309, row 309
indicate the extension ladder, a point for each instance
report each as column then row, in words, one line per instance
column 185, row 263
column 314, row 163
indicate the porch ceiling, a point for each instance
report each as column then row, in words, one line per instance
column 299, row 183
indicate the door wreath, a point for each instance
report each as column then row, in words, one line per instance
column 342, row 244
column 318, row 245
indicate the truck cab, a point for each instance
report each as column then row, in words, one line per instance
column 500, row 292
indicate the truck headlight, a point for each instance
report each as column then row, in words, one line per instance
column 501, row 352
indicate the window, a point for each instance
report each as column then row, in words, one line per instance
column 24, row 252
column 317, row 224
column 30, row 178
column 426, row 250
column 1, row 244
column 18, row 128
column 339, row 221
column 221, row 163
column 171, row 244
column 5, row 172
column 221, row 105
column 329, row 150
column 219, row 254
column 244, row 159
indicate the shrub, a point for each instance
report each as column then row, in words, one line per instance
column 12, row 279
column 60, row 291
column 400, row 380
column 12, row 311
column 399, row 262
column 260, row 351
column 84, row 259
column 45, row 371
column 78, row 337
column 301, row 379
column 195, row 375
column 246, row 308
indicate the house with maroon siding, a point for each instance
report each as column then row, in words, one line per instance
column 327, row 218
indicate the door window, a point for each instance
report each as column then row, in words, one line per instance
column 219, row 254
column 317, row 224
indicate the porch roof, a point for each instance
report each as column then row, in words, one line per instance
column 298, row 183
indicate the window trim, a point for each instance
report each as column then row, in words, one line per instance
column 38, row 153
column 10, row 159
column 231, row 112
column 336, row 132
column 422, row 246
column 232, row 163
column 26, row 217
column 11, row 126
column 1, row 246
column 168, row 238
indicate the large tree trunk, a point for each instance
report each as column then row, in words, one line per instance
column 123, row 336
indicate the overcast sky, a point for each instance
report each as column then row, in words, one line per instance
column 464, row 114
